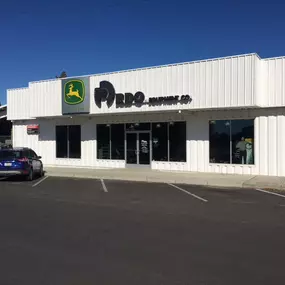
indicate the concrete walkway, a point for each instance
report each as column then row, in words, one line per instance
column 194, row 178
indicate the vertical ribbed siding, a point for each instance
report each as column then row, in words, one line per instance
column 212, row 84
column 220, row 83
column 274, row 77
column 271, row 135
column 18, row 102
column 45, row 98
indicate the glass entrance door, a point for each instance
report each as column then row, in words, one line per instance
column 132, row 154
column 138, row 148
column 144, row 148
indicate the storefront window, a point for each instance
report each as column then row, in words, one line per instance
column 168, row 141
column 68, row 141
column 118, row 141
column 220, row 141
column 232, row 141
column 242, row 141
column 177, row 141
column 74, row 134
column 61, row 142
column 160, row 141
column 103, row 141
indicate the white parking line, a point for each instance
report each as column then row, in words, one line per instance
column 272, row 193
column 187, row 192
column 104, row 186
column 40, row 181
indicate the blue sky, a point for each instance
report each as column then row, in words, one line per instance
column 39, row 39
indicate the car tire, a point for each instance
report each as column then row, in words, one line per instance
column 42, row 173
column 30, row 176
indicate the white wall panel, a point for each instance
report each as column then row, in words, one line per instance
column 45, row 98
column 272, row 145
column 274, row 76
column 169, row 166
column 18, row 102
column 212, row 84
column 260, row 83
column 271, row 137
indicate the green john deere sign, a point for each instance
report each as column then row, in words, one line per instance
column 74, row 92
column 75, row 95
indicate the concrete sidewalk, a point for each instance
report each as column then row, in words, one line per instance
column 192, row 178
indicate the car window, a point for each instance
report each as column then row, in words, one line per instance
column 33, row 154
column 26, row 153
column 9, row 154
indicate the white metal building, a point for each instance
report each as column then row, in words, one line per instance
column 222, row 115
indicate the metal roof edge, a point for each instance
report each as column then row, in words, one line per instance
column 3, row 106
column 19, row 88
column 272, row 58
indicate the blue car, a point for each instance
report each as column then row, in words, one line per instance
column 20, row 162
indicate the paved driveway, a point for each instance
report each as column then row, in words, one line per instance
column 78, row 231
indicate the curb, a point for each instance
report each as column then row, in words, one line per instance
column 152, row 180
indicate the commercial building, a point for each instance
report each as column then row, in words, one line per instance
column 224, row 115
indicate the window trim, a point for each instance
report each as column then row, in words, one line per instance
column 254, row 136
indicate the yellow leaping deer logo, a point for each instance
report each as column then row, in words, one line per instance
column 73, row 93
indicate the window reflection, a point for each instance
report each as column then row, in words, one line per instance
column 61, row 138
column 159, row 142
column 68, row 141
column 242, row 141
column 118, row 141
column 220, row 141
column 177, row 141
column 232, row 141
column 103, row 141
column 168, row 140
column 74, row 135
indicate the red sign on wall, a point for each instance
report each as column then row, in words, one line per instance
column 33, row 129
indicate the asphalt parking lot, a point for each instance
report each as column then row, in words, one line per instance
column 80, row 231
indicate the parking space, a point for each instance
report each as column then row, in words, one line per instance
column 149, row 197
column 17, row 180
column 159, row 194
column 139, row 233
